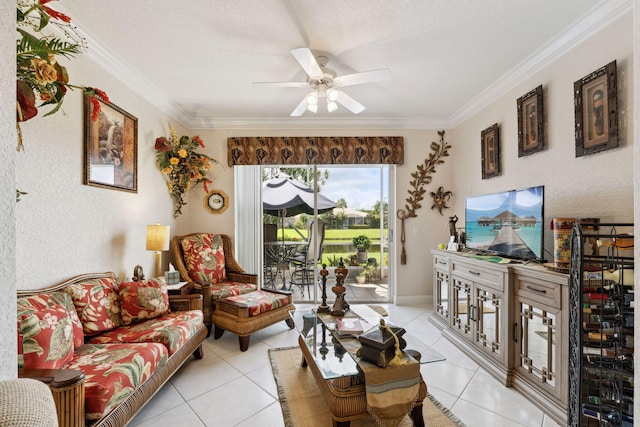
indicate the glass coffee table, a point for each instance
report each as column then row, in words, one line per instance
column 331, row 360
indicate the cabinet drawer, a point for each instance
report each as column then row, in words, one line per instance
column 538, row 290
column 441, row 263
column 492, row 278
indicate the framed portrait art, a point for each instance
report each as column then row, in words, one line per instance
column 490, row 151
column 530, row 122
column 596, row 111
column 111, row 148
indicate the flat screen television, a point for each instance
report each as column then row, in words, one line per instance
column 509, row 223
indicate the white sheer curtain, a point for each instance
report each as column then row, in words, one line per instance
column 248, row 220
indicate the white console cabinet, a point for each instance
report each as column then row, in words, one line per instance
column 511, row 319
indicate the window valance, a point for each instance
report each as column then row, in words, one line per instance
column 318, row 150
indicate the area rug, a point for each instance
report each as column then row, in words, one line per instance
column 303, row 405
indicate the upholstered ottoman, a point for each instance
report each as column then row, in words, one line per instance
column 247, row 313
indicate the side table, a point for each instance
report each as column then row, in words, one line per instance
column 67, row 387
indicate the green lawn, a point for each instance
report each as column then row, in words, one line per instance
column 342, row 235
column 331, row 234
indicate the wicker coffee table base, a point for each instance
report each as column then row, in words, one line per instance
column 346, row 396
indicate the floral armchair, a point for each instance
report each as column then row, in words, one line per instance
column 208, row 261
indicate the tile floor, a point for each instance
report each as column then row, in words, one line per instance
column 206, row 392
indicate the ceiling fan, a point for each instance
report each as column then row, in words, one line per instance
column 325, row 84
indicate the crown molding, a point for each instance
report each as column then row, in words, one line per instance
column 599, row 17
column 316, row 123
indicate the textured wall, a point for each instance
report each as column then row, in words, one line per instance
column 65, row 228
column 8, row 368
column 598, row 185
column 423, row 232
column 636, row 180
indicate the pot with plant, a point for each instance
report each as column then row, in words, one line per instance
column 368, row 272
column 362, row 243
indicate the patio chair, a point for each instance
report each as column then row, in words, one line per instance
column 305, row 261
column 270, row 262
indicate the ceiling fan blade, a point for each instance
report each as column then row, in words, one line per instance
column 282, row 84
column 364, row 77
column 301, row 108
column 348, row 102
column 307, row 61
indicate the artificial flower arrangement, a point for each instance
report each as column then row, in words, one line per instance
column 39, row 74
column 183, row 167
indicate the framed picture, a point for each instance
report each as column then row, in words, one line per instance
column 490, row 151
column 530, row 123
column 111, row 148
column 596, row 111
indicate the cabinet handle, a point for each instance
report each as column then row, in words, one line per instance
column 513, row 332
column 541, row 291
column 441, row 262
column 475, row 273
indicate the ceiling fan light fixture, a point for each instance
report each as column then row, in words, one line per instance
column 312, row 98
column 323, row 83
column 332, row 95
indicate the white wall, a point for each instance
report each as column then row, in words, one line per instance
column 636, row 180
column 422, row 233
column 65, row 228
column 598, row 185
column 8, row 365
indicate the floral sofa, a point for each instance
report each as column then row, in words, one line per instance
column 123, row 340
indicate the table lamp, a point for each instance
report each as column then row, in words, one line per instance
column 157, row 240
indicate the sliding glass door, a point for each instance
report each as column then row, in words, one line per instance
column 344, row 219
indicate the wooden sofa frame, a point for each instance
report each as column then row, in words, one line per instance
column 67, row 387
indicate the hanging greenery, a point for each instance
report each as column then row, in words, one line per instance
column 183, row 167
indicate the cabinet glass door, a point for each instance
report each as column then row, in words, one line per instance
column 461, row 306
column 537, row 338
column 487, row 313
column 442, row 293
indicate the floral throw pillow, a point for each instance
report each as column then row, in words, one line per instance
column 204, row 258
column 97, row 304
column 48, row 330
column 143, row 300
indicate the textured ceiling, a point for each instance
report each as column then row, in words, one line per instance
column 198, row 59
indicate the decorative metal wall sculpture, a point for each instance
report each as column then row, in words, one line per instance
column 421, row 178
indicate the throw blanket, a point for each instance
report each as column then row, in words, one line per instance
column 391, row 391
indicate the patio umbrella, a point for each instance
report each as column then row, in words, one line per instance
column 284, row 196
column 288, row 197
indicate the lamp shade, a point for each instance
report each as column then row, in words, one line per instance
column 158, row 237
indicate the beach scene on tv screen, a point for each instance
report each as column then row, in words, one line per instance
column 508, row 223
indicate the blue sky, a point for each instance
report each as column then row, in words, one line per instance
column 359, row 186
